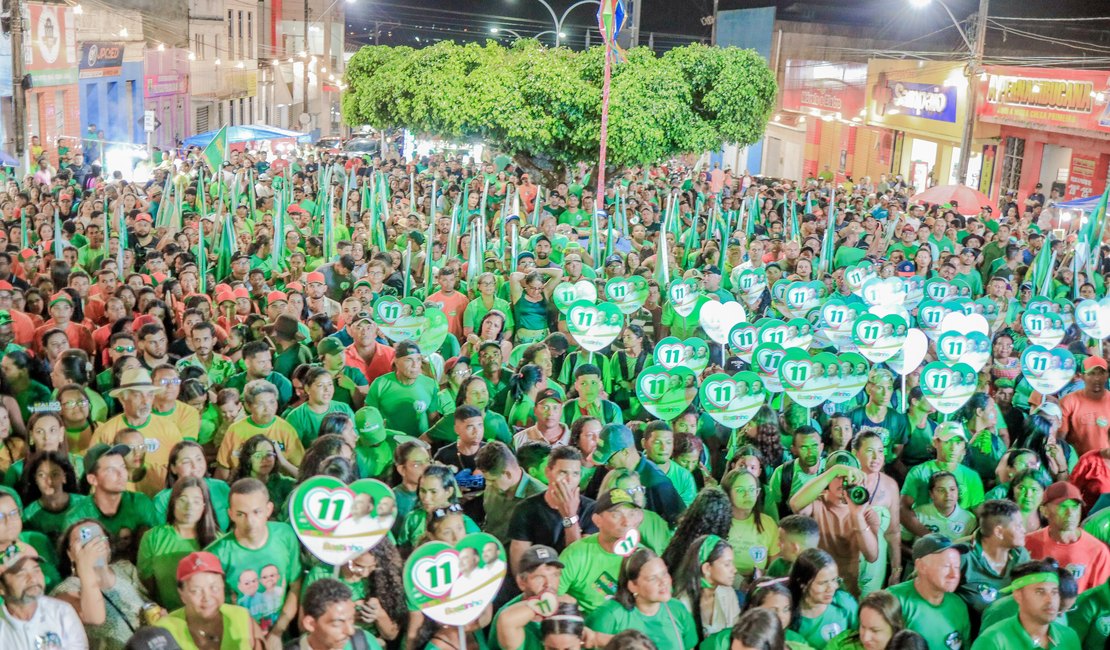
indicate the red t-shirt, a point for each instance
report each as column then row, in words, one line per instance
column 1088, row 559
column 381, row 364
column 453, row 306
column 1085, row 420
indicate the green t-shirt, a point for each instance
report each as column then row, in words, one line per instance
column 684, row 327
column 683, row 482
column 476, row 310
column 846, row 640
column 160, row 552
column 532, row 638
column 1009, row 634
column 917, row 484
column 416, row 522
column 959, row 524
column 654, row 532
column 774, row 495
column 590, row 573
column 136, row 512
column 306, row 422
column 52, row 524
column 258, row 579
column 408, row 406
column 218, row 491
column 286, row 361
column 671, row 627
column 944, row 627
column 1091, row 617
column 980, row 582
column 841, row 614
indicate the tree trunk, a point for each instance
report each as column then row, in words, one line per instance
column 546, row 172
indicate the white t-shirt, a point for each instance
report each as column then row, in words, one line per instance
column 54, row 626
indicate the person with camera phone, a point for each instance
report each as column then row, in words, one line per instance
column 839, row 502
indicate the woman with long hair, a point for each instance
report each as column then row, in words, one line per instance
column 524, row 385
column 17, row 371
column 880, row 618
column 319, row 386
column 50, row 493
column 751, row 529
column 643, row 602
column 987, row 435
column 1057, row 458
column 822, row 609
column 772, row 595
column 438, row 491
column 870, row 455
column 710, row 513
column 531, row 300
column 191, row 526
column 1027, row 491
column 625, row 367
column 494, row 326
column 703, row 583
column 187, row 460
column 47, row 433
column 585, row 433
column 378, row 590
column 564, row 629
column 259, row 458
column 688, row 451
column 109, row 612
column 76, row 415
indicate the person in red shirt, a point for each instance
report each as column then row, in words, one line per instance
column 1087, row 411
column 61, row 309
column 450, row 301
column 366, row 354
column 1081, row 553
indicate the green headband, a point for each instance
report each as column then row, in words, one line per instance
column 1031, row 579
column 704, row 552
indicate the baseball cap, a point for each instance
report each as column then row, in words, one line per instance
column 152, row 638
column 198, row 562
column 613, row 438
column 294, row 287
column 710, row 269
column 63, row 296
column 276, row 296
column 951, row 429
column 935, row 543
column 612, row 499
column 369, row 425
column 408, row 348
column 546, row 394
column 970, row 249
column 1050, row 409
column 361, row 316
column 316, row 276
column 144, row 217
column 6, row 286
column 100, row 450
column 241, row 292
column 1027, row 286
column 5, row 318
column 906, row 269
column 329, row 345
column 15, row 554
column 142, row 321
column 1090, row 363
column 536, row 556
column 613, row 259
column 1061, row 491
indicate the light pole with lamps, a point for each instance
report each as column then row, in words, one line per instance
column 972, row 71
column 560, row 20
column 498, row 30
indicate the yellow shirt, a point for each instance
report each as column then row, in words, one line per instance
column 186, row 417
column 160, row 434
column 753, row 549
column 277, row 430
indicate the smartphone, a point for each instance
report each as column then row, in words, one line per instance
column 86, row 534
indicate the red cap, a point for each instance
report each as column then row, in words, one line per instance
column 1090, row 363
column 61, row 296
column 222, row 287
column 316, row 276
column 276, row 296
column 145, row 319
column 294, row 287
column 198, row 562
column 225, row 296
column 1061, row 491
column 241, row 292
column 142, row 216
column 295, row 209
column 6, row 286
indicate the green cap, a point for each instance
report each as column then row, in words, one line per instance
column 329, row 345
column 370, row 426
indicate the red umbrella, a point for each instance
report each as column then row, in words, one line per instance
column 969, row 200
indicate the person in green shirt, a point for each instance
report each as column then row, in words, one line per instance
column 930, row 606
column 125, row 515
column 659, row 448
column 999, row 547
column 643, row 602
column 880, row 617
column 306, row 418
column 409, row 397
column 591, row 565
column 588, row 385
column 825, row 610
column 290, row 352
column 1036, row 588
column 514, row 626
column 806, row 447
column 202, row 340
column 1090, row 618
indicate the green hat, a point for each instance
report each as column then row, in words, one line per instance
column 329, row 345
column 370, row 426
column 100, row 450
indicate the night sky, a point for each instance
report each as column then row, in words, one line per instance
column 676, row 22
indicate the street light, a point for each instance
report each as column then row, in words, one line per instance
column 559, row 34
column 971, row 71
column 497, row 30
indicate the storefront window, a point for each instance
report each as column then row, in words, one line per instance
column 1011, row 164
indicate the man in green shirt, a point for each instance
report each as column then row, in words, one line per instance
column 929, row 604
column 950, row 443
column 409, row 397
column 788, row 478
column 350, row 383
column 1036, row 588
column 259, row 364
column 506, row 486
column 291, row 353
column 998, row 549
column 202, row 339
column 538, row 571
column 907, row 243
column 593, row 563
column 1091, row 617
column 659, row 448
column 125, row 515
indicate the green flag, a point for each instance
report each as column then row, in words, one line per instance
column 216, row 151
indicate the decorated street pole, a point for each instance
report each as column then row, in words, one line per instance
column 610, row 19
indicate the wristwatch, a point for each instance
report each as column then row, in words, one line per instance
column 570, row 521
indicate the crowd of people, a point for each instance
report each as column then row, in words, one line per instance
column 175, row 367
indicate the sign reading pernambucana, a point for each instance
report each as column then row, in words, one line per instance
column 336, row 521
column 453, row 585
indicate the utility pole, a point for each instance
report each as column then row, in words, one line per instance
column 637, row 5
column 973, row 70
column 716, row 6
column 19, row 98
column 307, row 55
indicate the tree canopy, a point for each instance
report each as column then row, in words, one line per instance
column 543, row 105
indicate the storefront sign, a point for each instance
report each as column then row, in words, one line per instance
column 1069, row 99
column 161, row 85
column 826, row 87
column 100, row 59
column 50, row 54
column 1086, row 177
column 919, row 100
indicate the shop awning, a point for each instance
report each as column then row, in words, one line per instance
column 246, row 133
column 1086, row 205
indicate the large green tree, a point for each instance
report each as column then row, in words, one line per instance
column 543, row 105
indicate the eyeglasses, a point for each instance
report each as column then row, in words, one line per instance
column 124, row 348
column 261, row 455
column 136, row 447
column 635, row 490
column 11, row 514
column 170, row 381
column 74, row 403
column 452, row 509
